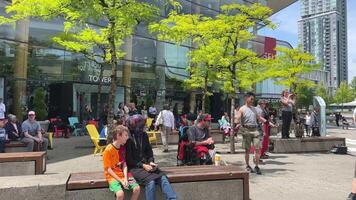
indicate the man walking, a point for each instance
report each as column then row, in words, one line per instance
column 247, row 123
column 166, row 119
column 31, row 130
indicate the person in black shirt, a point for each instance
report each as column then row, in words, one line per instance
column 13, row 128
column 140, row 160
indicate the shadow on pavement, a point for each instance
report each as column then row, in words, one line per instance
column 271, row 171
column 276, row 157
column 273, row 162
column 73, row 147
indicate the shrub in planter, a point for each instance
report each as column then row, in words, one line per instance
column 39, row 105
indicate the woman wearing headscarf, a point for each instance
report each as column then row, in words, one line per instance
column 13, row 128
column 140, row 160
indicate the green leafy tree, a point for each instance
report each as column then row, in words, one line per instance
column 118, row 19
column 322, row 91
column 290, row 65
column 221, row 55
column 304, row 96
column 343, row 94
column 353, row 87
column 39, row 104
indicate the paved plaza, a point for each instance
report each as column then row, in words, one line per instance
column 285, row 176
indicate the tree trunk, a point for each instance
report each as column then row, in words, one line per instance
column 232, row 112
column 232, row 138
column 160, row 75
column 203, row 102
column 20, row 69
column 113, row 86
column 192, row 102
column 98, row 107
column 126, row 72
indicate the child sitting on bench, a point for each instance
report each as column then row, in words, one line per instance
column 115, row 168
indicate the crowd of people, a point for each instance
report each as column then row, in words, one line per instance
column 128, row 158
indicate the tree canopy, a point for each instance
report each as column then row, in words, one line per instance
column 343, row 93
column 290, row 65
column 114, row 21
column 220, row 55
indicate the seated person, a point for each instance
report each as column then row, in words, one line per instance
column 32, row 134
column 103, row 134
column 184, row 120
column 115, row 168
column 200, row 137
column 13, row 128
column 224, row 123
column 140, row 161
column 3, row 135
column 60, row 125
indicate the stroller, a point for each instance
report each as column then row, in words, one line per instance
column 187, row 153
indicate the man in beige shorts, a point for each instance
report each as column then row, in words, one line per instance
column 247, row 124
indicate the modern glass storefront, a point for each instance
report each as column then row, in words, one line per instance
column 157, row 67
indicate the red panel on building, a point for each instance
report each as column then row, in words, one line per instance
column 270, row 47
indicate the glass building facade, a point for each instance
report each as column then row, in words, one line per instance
column 157, row 67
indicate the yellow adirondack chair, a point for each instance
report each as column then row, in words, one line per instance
column 95, row 137
column 152, row 135
column 149, row 122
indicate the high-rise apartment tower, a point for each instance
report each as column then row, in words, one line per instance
column 323, row 33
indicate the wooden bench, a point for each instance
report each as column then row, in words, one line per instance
column 15, row 146
column 189, row 182
column 22, row 163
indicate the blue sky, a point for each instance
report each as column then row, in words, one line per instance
column 287, row 22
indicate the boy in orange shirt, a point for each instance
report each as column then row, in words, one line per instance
column 115, row 168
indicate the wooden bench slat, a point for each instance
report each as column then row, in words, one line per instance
column 14, row 144
column 25, row 155
column 91, row 180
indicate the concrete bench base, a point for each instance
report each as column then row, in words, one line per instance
column 303, row 145
column 15, row 146
column 17, row 168
column 189, row 182
column 24, row 163
column 226, row 189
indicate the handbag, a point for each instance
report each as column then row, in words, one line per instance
column 160, row 119
column 315, row 131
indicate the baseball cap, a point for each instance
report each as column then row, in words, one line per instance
column 205, row 117
column 31, row 113
column 2, row 118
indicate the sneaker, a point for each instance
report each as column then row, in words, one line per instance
column 265, row 156
column 249, row 169
column 165, row 151
column 351, row 196
column 258, row 170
